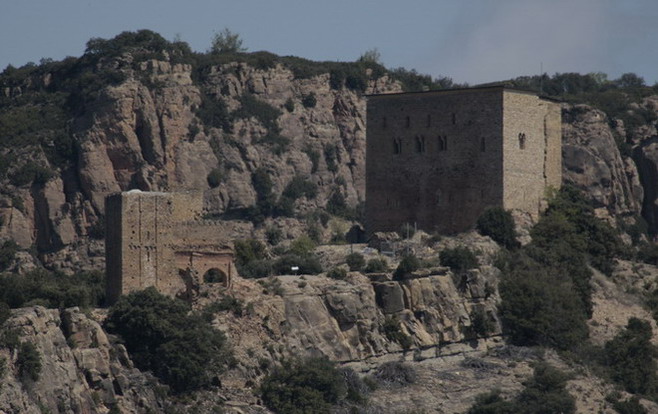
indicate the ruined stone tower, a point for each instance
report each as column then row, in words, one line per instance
column 438, row 159
column 157, row 239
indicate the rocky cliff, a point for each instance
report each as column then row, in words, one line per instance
column 167, row 125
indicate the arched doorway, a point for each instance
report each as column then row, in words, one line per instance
column 215, row 275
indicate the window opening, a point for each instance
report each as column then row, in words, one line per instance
column 420, row 143
column 454, row 118
column 429, row 120
column 483, row 144
column 442, row 143
column 397, row 146
column 522, row 140
column 384, row 122
column 408, row 121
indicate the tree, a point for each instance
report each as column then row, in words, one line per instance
column 371, row 56
column 498, row 224
column 630, row 357
column 182, row 350
column 226, row 42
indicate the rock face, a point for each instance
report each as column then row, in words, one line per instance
column 146, row 133
column 593, row 163
column 81, row 370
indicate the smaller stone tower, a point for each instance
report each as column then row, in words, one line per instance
column 157, row 239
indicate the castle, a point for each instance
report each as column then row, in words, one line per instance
column 438, row 159
column 158, row 239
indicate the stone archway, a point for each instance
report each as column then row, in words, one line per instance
column 215, row 275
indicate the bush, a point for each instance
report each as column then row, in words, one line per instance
column 309, row 101
column 31, row 173
column 541, row 306
column 266, row 114
column 481, row 323
column 408, row 264
column 459, row 259
column 159, row 334
column 337, row 273
column 274, row 235
column 355, row 261
column 250, row 259
column 226, row 303
column 7, row 253
column 396, row 373
column 498, row 224
column 226, row 42
column 300, row 186
column 394, row 333
column 308, row 265
column 545, row 392
column 312, row 385
column 630, row 406
column 52, row 290
column 28, row 361
column 492, row 403
column 214, row 178
column 376, row 266
column 5, row 313
column 630, row 357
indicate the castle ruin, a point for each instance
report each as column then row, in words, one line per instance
column 158, row 239
column 438, row 159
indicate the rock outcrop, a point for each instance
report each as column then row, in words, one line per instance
column 82, row 371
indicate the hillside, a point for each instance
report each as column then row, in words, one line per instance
column 277, row 146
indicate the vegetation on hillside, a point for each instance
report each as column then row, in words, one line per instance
column 545, row 286
column 161, row 335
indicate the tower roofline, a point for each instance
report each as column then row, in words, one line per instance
column 502, row 88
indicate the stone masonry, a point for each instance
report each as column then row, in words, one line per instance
column 157, row 239
column 438, row 159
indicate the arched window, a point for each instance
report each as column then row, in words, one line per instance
column 397, row 146
column 522, row 140
column 420, row 143
column 442, row 143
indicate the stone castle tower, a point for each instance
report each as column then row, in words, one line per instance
column 438, row 159
column 157, row 239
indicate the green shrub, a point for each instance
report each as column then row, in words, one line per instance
column 31, row 173
column 408, row 264
column 376, row 266
column 266, row 114
column 492, row 403
column 302, row 246
column 541, row 306
column 250, row 259
column 458, row 259
column 337, row 273
column 214, row 178
column 498, row 224
column 274, row 235
column 629, row 406
column 394, row 333
column 300, row 186
column 481, row 322
column 5, row 312
column 53, row 290
column 355, row 261
column 545, row 392
column 312, row 385
column 226, row 42
column 226, row 303
column 7, row 254
column 309, row 101
column 331, row 157
column 308, row 264
column 630, row 357
column 159, row 334
column 396, row 373
column 214, row 113
column 28, row 361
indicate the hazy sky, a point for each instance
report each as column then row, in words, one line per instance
column 471, row 41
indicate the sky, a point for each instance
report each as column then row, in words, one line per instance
column 473, row 41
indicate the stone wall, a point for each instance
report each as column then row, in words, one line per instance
column 532, row 157
column 438, row 159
